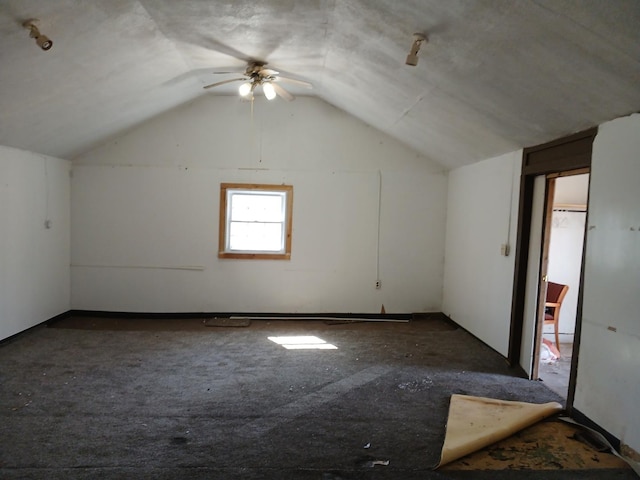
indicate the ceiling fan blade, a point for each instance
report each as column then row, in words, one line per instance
column 268, row 72
column 282, row 92
column 217, row 84
column 293, row 81
column 211, row 43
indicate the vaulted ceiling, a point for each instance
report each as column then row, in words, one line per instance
column 494, row 76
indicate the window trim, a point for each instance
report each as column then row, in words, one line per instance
column 222, row 231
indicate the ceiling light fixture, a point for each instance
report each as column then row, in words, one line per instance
column 42, row 40
column 245, row 89
column 255, row 75
column 412, row 58
column 269, row 91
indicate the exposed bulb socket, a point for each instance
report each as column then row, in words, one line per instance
column 41, row 40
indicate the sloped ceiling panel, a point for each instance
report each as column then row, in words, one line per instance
column 495, row 75
column 104, row 74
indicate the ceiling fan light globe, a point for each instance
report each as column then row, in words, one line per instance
column 269, row 91
column 244, row 89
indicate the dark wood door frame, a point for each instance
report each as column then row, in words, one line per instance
column 565, row 154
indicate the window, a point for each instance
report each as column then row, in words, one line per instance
column 255, row 221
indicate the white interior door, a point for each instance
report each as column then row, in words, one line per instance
column 533, row 276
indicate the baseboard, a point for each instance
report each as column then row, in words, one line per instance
column 37, row 325
column 57, row 317
column 517, row 369
column 189, row 315
column 564, row 337
column 584, row 420
column 179, row 315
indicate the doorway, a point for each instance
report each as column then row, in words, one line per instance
column 562, row 263
column 540, row 166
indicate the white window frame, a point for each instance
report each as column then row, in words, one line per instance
column 227, row 190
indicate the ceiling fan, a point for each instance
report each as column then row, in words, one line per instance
column 257, row 75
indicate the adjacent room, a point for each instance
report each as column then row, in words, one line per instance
column 276, row 239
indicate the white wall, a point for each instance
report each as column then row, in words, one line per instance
column 34, row 260
column 145, row 214
column 608, row 382
column 482, row 215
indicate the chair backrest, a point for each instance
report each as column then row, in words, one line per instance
column 556, row 292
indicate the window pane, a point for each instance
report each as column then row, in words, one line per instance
column 255, row 221
column 257, row 207
column 257, row 237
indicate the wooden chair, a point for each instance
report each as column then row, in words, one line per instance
column 555, row 295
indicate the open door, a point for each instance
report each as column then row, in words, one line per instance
column 544, row 276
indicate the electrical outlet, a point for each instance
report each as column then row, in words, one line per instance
column 378, row 284
column 504, row 249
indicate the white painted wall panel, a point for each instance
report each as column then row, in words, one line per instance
column 608, row 382
column 482, row 215
column 34, row 260
column 146, row 204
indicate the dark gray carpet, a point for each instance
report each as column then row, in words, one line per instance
column 227, row 403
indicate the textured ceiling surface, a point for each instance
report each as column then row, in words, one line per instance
column 495, row 75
